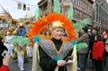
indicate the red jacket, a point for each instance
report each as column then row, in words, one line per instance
column 4, row 68
column 98, row 50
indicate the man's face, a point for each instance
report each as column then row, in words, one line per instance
column 58, row 33
column 94, row 32
column 82, row 31
column 20, row 28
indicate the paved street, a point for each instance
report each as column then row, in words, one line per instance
column 27, row 65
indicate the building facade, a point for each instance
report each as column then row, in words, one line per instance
column 18, row 8
column 101, row 14
column 3, row 24
column 82, row 8
column 43, row 5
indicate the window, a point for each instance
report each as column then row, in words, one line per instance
column 77, row 13
column 28, row 8
column 97, row 8
column 19, row 5
column 74, row 12
column 80, row 14
column 66, row 9
column 24, row 6
column 83, row 12
column 66, row 0
column 73, row 1
column 78, row 3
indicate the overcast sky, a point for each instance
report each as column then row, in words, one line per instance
column 11, row 6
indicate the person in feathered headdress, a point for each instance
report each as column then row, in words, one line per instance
column 54, row 54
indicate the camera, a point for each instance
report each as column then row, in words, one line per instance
column 69, row 60
column 4, row 53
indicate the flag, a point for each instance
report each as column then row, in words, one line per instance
column 57, row 6
column 70, row 10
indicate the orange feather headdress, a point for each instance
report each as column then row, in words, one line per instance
column 45, row 20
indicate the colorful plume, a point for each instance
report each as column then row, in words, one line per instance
column 81, row 24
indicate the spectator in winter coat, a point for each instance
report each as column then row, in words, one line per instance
column 98, row 52
column 2, row 50
column 83, row 53
column 6, row 60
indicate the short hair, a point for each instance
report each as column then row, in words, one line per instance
column 1, row 38
column 21, row 27
column 85, row 29
column 96, row 29
column 99, row 37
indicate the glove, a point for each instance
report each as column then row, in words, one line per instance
column 74, row 42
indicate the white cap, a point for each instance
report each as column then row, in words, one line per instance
column 89, row 30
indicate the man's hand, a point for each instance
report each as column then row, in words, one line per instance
column 6, row 59
column 61, row 62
